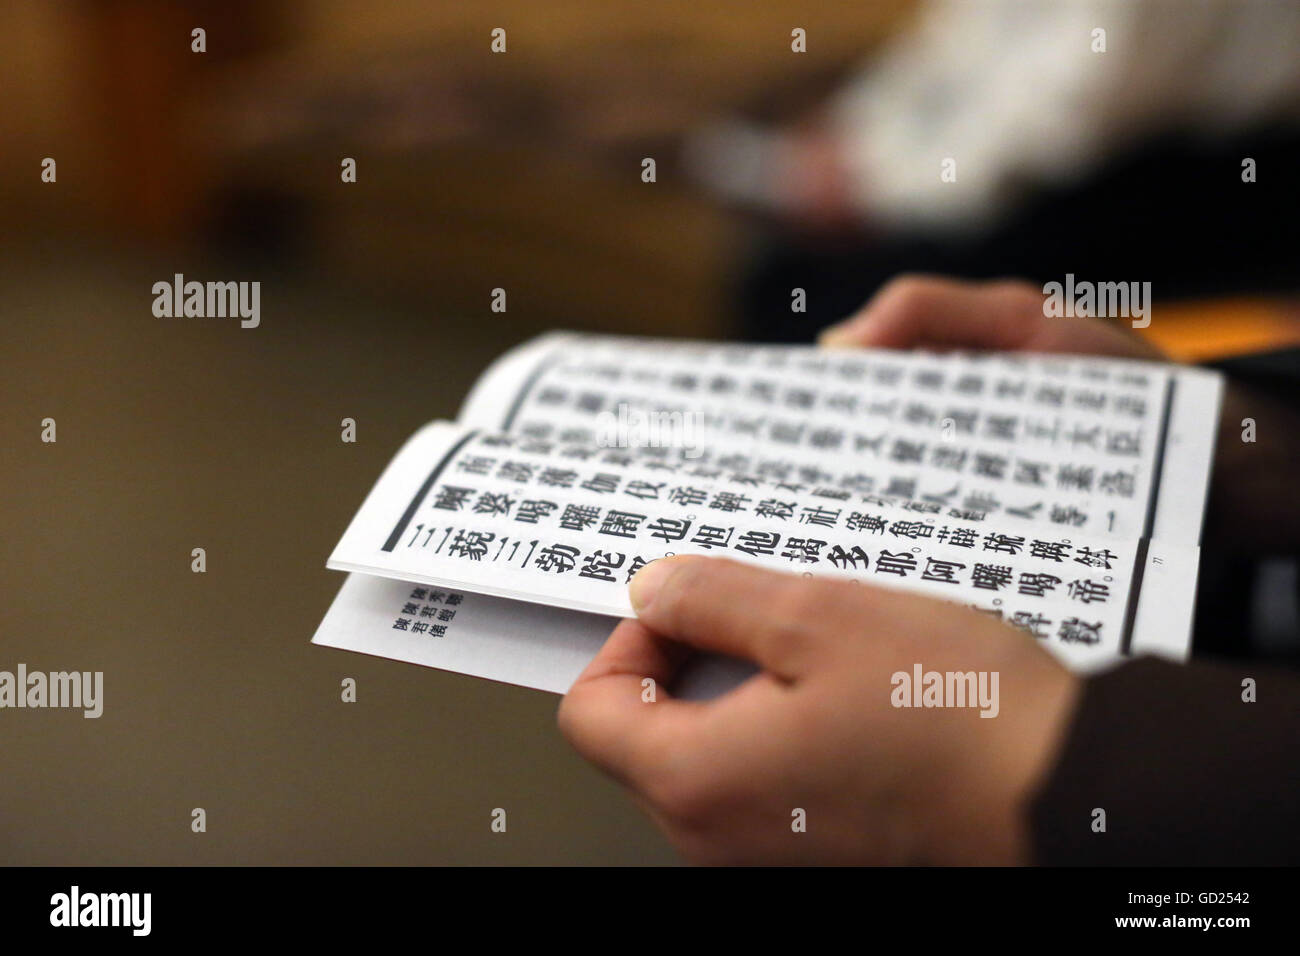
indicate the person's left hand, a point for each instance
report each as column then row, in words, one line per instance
column 816, row 731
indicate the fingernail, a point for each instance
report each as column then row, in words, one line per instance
column 646, row 583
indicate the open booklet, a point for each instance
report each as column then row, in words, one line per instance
column 1062, row 494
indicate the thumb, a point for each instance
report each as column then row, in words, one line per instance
column 785, row 623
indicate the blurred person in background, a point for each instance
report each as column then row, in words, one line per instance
column 1104, row 138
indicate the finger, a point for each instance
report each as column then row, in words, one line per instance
column 942, row 313
column 783, row 622
column 605, row 714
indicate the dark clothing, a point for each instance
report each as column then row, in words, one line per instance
column 1185, row 770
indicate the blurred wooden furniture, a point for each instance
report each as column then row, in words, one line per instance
column 522, row 170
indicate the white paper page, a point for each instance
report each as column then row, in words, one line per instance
column 528, row 645
column 568, row 526
column 1098, row 446
column 1162, row 615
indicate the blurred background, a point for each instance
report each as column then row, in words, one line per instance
column 783, row 159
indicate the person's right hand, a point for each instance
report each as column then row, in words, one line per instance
column 916, row 311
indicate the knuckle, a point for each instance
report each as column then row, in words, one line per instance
column 906, row 292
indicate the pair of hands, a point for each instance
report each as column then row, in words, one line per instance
column 815, row 730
